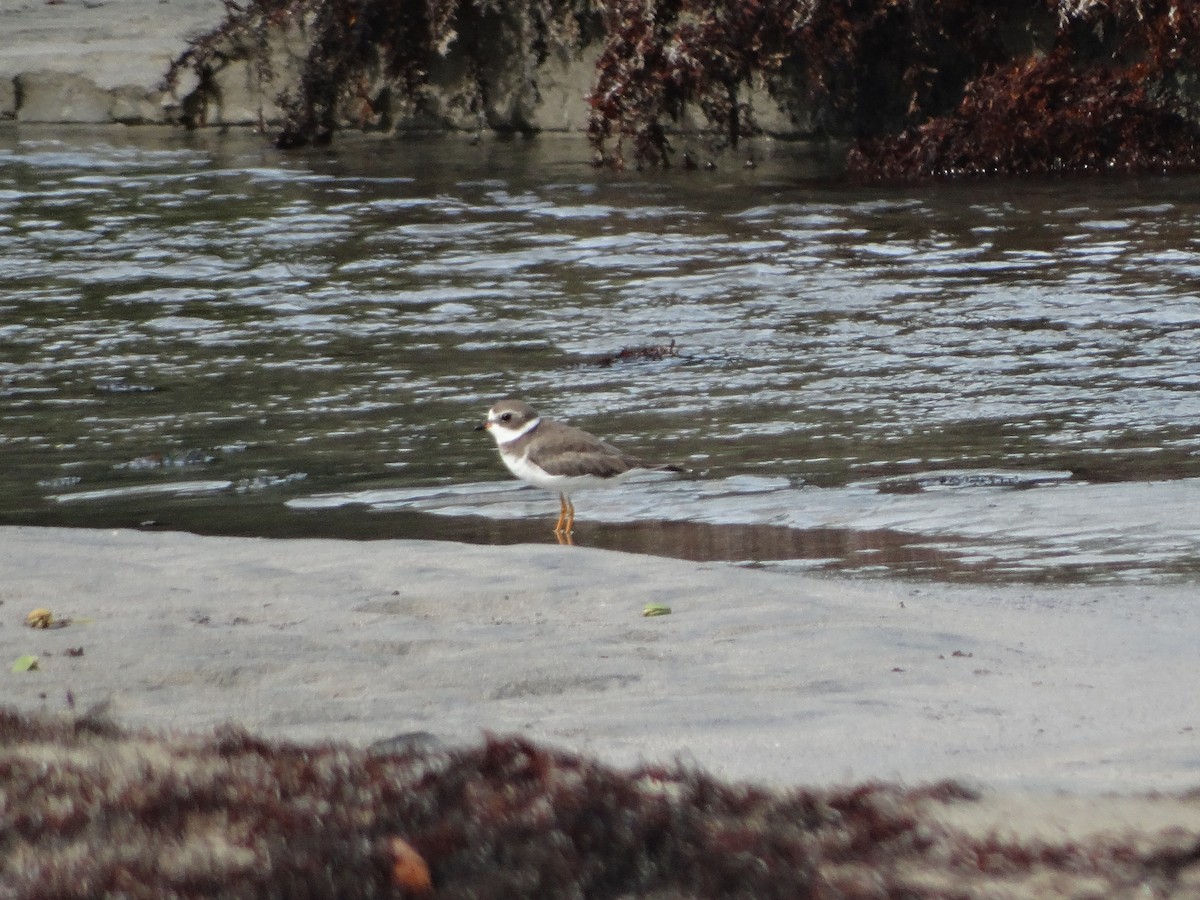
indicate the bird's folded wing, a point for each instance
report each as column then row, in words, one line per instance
column 574, row 465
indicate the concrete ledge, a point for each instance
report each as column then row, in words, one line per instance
column 8, row 98
column 94, row 61
column 61, row 97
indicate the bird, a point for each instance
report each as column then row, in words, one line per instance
column 558, row 457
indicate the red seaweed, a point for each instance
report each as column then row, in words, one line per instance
column 101, row 810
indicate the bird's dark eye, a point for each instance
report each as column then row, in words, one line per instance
column 507, row 417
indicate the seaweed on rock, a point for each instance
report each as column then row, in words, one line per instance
column 925, row 87
column 842, row 65
column 928, row 87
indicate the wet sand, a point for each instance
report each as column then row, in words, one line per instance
column 775, row 678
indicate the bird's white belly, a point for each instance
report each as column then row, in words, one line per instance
column 527, row 471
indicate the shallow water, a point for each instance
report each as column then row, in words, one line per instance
column 985, row 381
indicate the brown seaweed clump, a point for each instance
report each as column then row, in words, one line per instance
column 1108, row 88
column 89, row 810
column 1040, row 117
column 651, row 352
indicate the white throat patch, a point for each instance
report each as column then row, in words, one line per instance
column 503, row 434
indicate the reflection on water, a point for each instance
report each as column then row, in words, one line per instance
column 984, row 380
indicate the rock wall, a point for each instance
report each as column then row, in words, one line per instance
column 104, row 61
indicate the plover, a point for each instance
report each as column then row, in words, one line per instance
column 558, row 457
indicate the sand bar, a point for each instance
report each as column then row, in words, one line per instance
column 776, row 678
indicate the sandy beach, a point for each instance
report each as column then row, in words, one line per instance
column 778, row 679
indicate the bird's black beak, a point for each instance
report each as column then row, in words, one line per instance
column 483, row 426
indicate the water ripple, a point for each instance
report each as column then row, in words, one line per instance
column 842, row 357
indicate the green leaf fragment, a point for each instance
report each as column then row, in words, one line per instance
column 656, row 609
column 25, row 663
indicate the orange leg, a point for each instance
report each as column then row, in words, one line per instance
column 562, row 513
column 566, row 515
column 570, row 516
